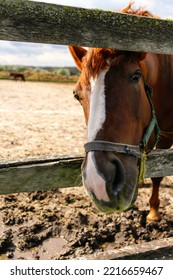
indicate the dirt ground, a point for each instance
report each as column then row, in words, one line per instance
column 44, row 119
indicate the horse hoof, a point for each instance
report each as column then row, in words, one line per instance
column 153, row 217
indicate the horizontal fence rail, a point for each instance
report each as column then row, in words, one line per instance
column 62, row 172
column 27, row 21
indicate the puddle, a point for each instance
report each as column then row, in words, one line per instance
column 45, row 251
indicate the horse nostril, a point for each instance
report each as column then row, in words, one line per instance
column 119, row 176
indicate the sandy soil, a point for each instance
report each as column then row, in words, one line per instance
column 39, row 119
column 44, row 119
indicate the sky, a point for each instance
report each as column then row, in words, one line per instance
column 30, row 54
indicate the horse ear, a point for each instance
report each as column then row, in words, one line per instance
column 77, row 53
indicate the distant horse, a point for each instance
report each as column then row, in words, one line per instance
column 125, row 97
column 17, row 76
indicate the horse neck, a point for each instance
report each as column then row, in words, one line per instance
column 159, row 69
column 159, row 72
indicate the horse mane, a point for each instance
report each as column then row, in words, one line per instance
column 141, row 11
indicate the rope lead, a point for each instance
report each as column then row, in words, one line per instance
column 142, row 168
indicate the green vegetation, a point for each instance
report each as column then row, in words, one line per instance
column 47, row 74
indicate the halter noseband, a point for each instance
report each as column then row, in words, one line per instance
column 132, row 150
column 106, row 146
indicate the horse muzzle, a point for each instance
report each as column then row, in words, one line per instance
column 110, row 179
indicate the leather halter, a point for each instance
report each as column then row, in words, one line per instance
column 132, row 150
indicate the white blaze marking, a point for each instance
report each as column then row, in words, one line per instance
column 94, row 182
column 97, row 113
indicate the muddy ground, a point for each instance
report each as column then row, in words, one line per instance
column 44, row 119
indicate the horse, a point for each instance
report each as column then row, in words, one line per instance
column 17, row 76
column 127, row 99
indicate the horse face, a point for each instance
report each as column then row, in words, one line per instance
column 112, row 93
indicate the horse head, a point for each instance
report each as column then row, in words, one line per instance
column 112, row 92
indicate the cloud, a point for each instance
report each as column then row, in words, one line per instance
column 34, row 54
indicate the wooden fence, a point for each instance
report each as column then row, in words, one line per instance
column 26, row 21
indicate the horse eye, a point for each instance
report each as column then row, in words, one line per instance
column 76, row 96
column 135, row 76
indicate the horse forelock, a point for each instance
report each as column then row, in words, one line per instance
column 98, row 59
column 94, row 62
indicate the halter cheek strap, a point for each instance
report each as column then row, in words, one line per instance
column 152, row 126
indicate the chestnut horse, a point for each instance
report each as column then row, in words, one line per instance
column 122, row 117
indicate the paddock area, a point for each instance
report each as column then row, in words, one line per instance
column 44, row 119
column 39, row 119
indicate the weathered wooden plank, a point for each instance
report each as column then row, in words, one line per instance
column 62, row 172
column 159, row 163
column 154, row 250
column 26, row 21
column 39, row 174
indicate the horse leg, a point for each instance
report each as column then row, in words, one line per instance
column 164, row 143
column 154, row 200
